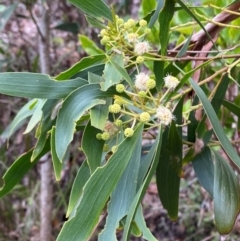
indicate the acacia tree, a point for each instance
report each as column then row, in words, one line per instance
column 137, row 89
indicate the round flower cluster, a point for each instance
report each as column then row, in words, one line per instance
column 145, row 117
column 115, row 108
column 171, row 82
column 124, row 36
column 141, row 48
column 142, row 101
column 164, row 115
column 141, row 81
column 128, row 132
column 120, row 88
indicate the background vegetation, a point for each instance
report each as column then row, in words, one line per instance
column 71, row 39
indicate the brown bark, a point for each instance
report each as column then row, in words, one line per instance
column 46, row 192
column 200, row 38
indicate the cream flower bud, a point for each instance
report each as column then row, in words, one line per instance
column 140, row 59
column 145, row 117
column 118, row 122
column 132, row 37
column 141, row 48
column 131, row 22
column 128, row 132
column 143, row 23
column 141, row 81
column 115, row 108
column 120, row 88
column 114, row 149
column 120, row 21
column 147, row 31
column 105, row 136
column 103, row 32
column 99, row 136
column 164, row 115
column 151, row 83
column 171, row 82
column 106, row 148
column 142, row 94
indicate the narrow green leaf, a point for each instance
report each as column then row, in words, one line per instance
column 99, row 114
column 36, row 117
column 94, row 8
column 204, row 169
column 94, row 78
column 89, row 142
column 19, row 168
column 158, row 69
column 73, row 108
column 232, row 108
column 225, row 195
column 165, row 18
column 184, row 48
column 168, row 172
column 45, row 126
column 123, row 72
column 227, row 146
column 81, row 65
column 80, row 180
column 6, row 15
column 216, row 102
column 19, row 119
column 194, row 123
column 57, row 164
column 142, row 189
column 146, row 163
column 160, row 5
column 139, row 219
column 76, row 104
column 95, row 69
column 97, row 191
column 123, row 195
column 41, row 86
column 89, row 46
column 111, row 74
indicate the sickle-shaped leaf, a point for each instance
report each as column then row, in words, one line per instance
column 41, row 86
column 123, row 195
column 232, row 108
column 168, row 172
column 226, row 195
column 139, row 219
column 45, row 126
column 57, row 164
column 143, row 187
column 81, row 65
column 77, row 188
column 36, row 117
column 89, row 142
column 72, row 109
column 160, row 5
column 94, row 8
column 165, row 17
column 227, row 146
column 204, row 169
column 97, row 190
